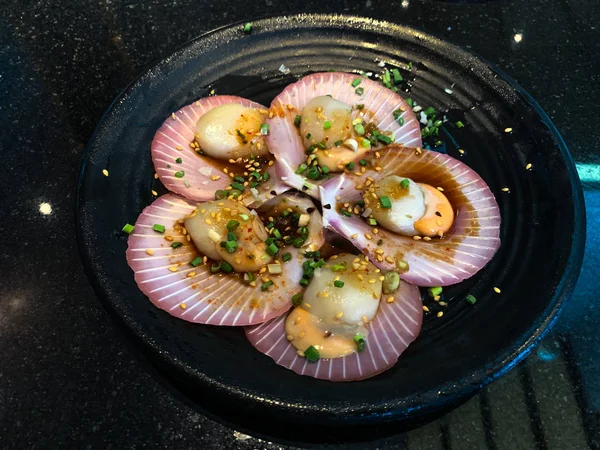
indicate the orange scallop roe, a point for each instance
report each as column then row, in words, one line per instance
column 438, row 217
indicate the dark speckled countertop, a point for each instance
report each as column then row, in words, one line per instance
column 67, row 376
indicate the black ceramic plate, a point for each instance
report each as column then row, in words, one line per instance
column 536, row 267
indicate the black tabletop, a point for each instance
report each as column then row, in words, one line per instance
column 68, row 376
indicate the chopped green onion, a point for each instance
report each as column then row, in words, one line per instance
column 360, row 106
column 372, row 222
column 360, row 342
column 231, row 236
column 405, row 183
column 359, row 129
column 266, row 285
column 356, row 82
column 410, row 102
column 459, row 124
column 196, row 261
column 238, row 186
column 270, row 240
column 303, row 232
column 178, row 160
column 380, row 241
column 214, row 268
column 277, row 233
column 231, row 246
column 343, row 212
column 297, row 120
column 435, row 291
column 307, row 269
column 226, row 267
column 232, row 225
column 429, row 112
column 297, row 242
column 386, row 78
column 363, row 162
column 285, row 213
column 235, row 193
column 471, row 299
column 397, row 77
column 248, row 28
column 220, row 194
column 264, row 129
column 158, row 228
column 365, row 143
column 286, row 257
column 301, row 168
column 244, row 217
column 308, row 136
column 327, row 125
column 391, row 282
column 239, row 179
column 338, row 143
column 324, row 170
column 338, row 267
column 385, row 202
column 315, row 254
column 176, row 245
column 179, row 174
column 400, row 121
column 359, row 91
column 313, row 173
column 272, row 249
column 297, row 299
column 410, row 65
column 322, row 145
column 311, row 354
column 304, row 282
column 350, row 165
column 127, row 228
column 249, row 277
column 241, row 135
column 338, row 283
column 383, row 138
column 397, row 113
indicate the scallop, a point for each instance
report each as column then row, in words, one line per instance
column 231, row 131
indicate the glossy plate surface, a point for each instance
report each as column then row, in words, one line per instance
column 535, row 268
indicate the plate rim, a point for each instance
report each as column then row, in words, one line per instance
column 469, row 383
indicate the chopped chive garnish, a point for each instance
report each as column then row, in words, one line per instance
column 359, row 91
column 270, row 240
column 232, row 225
column 365, row 143
column 158, row 228
column 338, row 143
column 250, row 277
column 238, row 186
column 277, row 233
column 301, row 168
column 239, row 179
column 266, row 285
column 244, row 217
column 303, row 232
column 196, row 261
column 286, row 257
column 397, row 113
column 429, row 112
column 338, row 267
column 226, row 267
column 404, row 183
column 214, row 268
column 343, row 212
column 235, row 193
column 297, row 299
column 241, row 135
column 360, row 106
column 327, row 125
column 383, row 138
column 220, row 194
column 176, row 245
column 360, row 342
column 231, row 236
column 356, row 82
column 127, row 228
column 471, row 299
column 315, row 254
column 324, row 170
column 231, row 246
column 359, row 129
column 380, row 241
column 264, row 129
column 311, row 354
column 410, row 65
column 248, row 27
column 385, row 202
column 397, row 77
column 338, row 283
column 435, row 291
column 179, row 174
column 363, row 162
column 400, row 121
column 410, row 102
column 322, row 145
column 386, row 78
column 313, row 173
column 459, row 124
column 297, row 242
column 304, row 282
column 272, row 249
column 350, row 165
column 372, row 222
column 308, row 136
column 297, row 120
column 285, row 213
column 178, row 160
